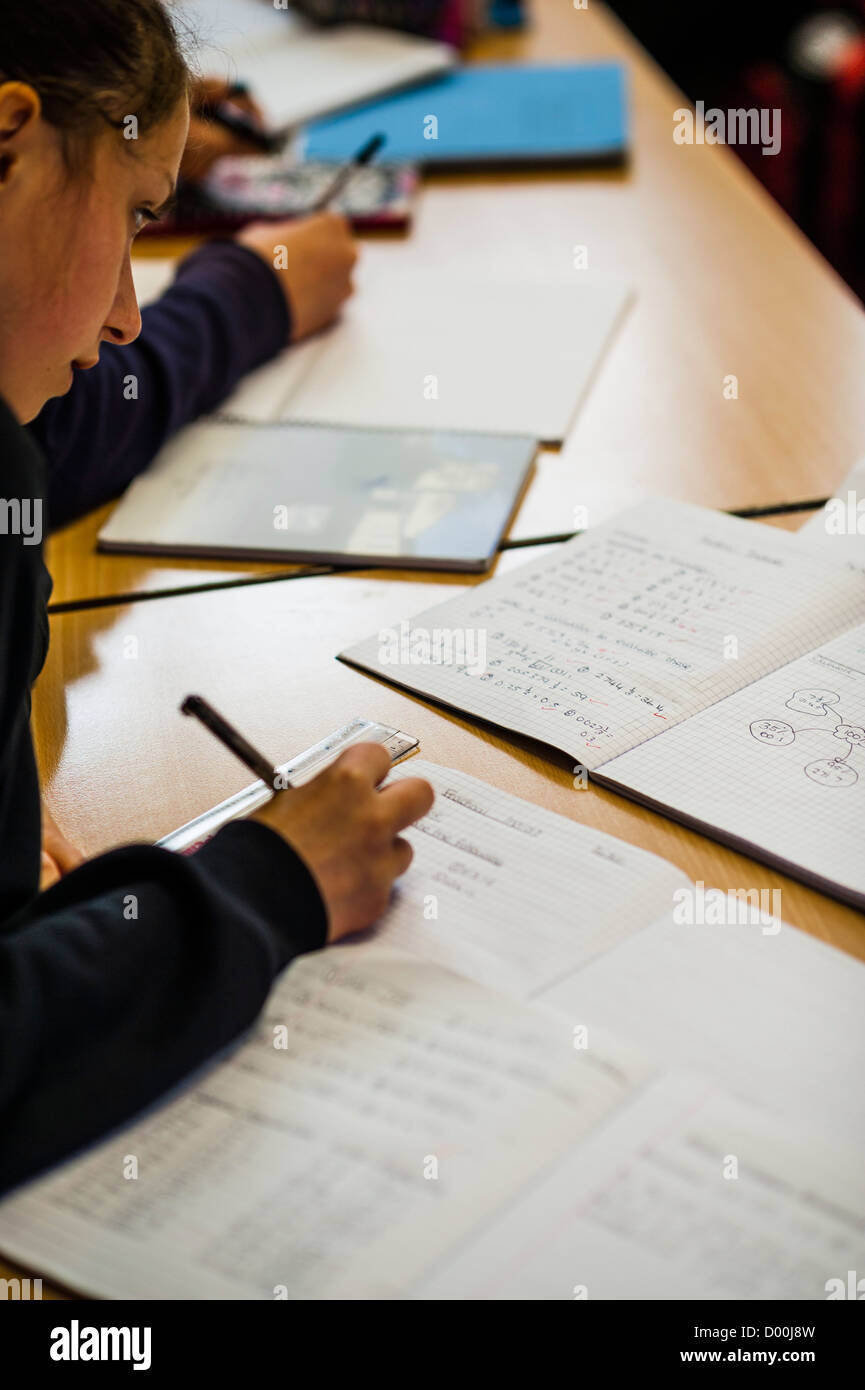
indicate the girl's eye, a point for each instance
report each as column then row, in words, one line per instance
column 140, row 216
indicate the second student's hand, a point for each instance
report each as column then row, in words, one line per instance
column 347, row 832
column 313, row 258
column 208, row 140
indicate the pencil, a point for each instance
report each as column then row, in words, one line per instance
column 366, row 153
column 235, row 742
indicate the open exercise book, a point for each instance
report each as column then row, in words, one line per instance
column 709, row 667
column 481, row 1099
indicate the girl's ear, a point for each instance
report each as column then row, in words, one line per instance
column 20, row 108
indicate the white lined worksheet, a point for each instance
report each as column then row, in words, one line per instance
column 514, row 896
column 393, row 1129
column 686, row 1194
column 764, row 1011
column 403, row 1105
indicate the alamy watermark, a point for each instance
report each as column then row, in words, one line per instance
column 744, row 907
column 464, row 647
column 741, row 126
column 20, row 1290
column 77, row 1343
column 22, row 516
column 845, row 516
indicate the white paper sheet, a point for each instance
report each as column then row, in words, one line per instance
column 391, row 1129
column 297, row 72
column 511, row 895
column 764, row 1011
column 444, row 350
column 683, row 1195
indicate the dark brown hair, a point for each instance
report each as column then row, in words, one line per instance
column 93, row 62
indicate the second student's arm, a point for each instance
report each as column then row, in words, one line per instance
column 228, row 311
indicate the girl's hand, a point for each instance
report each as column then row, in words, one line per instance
column 316, row 258
column 347, row 832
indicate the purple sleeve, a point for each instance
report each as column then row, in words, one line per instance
column 224, row 314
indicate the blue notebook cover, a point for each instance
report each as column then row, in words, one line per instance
column 561, row 113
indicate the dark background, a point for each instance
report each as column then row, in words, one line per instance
column 761, row 54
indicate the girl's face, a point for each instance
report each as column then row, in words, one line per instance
column 65, row 274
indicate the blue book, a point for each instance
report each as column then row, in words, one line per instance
column 561, row 113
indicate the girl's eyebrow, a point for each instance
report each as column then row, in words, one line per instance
column 156, row 214
column 166, row 205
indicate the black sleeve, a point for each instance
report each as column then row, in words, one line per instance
column 132, row 972
column 136, row 969
column 224, row 315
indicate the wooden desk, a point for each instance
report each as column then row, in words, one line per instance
column 724, row 284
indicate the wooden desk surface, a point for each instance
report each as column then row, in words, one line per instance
column 725, row 284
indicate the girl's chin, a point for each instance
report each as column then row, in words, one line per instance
column 64, row 379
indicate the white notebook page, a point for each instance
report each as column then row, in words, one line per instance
column 443, row 350
column 624, row 631
column 764, row 1011
column 532, row 903
column 514, row 896
column 301, row 1167
column 307, row 1168
column 780, row 765
column 648, row 1208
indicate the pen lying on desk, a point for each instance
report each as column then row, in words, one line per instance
column 811, row 504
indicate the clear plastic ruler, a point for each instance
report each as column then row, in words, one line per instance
column 301, row 769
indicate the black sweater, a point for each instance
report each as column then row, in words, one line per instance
column 139, row 966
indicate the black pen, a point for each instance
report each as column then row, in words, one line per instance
column 366, row 153
column 810, row 504
column 238, row 745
